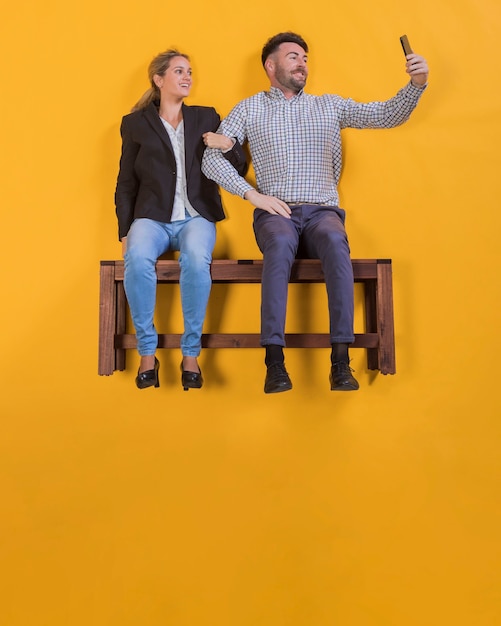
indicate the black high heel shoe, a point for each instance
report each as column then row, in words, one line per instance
column 191, row 380
column 148, row 378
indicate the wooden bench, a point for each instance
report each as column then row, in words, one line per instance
column 375, row 274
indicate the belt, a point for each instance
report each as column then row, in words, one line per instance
column 310, row 203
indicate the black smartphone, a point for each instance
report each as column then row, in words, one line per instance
column 405, row 45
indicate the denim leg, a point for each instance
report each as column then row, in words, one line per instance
column 197, row 237
column 146, row 241
column 277, row 238
column 324, row 237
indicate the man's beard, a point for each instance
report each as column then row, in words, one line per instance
column 290, row 81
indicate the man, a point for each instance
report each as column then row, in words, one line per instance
column 295, row 144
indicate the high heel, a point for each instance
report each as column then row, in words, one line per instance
column 191, row 380
column 148, row 378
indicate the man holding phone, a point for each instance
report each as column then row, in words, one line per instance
column 295, row 144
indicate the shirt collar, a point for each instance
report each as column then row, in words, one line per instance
column 177, row 131
column 277, row 94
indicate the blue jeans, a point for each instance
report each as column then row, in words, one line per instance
column 147, row 239
column 313, row 231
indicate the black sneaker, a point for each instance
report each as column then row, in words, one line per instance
column 341, row 378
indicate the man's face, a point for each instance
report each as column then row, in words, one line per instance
column 288, row 67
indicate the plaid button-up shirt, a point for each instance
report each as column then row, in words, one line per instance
column 295, row 143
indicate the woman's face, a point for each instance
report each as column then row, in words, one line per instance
column 177, row 80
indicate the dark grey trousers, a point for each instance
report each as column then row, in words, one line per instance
column 313, row 231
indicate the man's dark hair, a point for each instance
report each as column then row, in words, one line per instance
column 274, row 42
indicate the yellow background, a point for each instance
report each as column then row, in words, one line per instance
column 228, row 507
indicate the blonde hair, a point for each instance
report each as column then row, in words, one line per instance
column 158, row 66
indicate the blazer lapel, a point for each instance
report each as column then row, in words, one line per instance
column 190, row 117
column 151, row 115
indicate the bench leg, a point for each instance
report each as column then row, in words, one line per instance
column 370, row 291
column 386, row 326
column 107, row 320
column 120, row 324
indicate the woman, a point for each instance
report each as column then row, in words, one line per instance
column 164, row 202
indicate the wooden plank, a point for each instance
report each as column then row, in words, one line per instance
column 250, row 271
column 107, row 317
column 122, row 308
column 249, row 340
column 385, row 320
column 371, row 326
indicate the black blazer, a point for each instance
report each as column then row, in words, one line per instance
column 147, row 177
